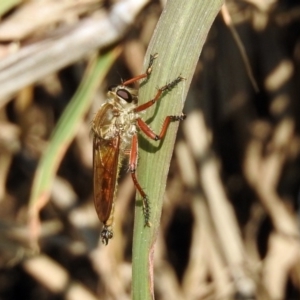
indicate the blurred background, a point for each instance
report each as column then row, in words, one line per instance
column 235, row 169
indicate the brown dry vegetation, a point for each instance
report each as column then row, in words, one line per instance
column 236, row 166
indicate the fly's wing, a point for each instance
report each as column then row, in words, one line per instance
column 106, row 166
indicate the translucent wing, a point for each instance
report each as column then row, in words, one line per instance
column 106, row 167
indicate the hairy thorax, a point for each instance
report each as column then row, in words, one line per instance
column 116, row 117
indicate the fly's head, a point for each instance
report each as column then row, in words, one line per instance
column 123, row 96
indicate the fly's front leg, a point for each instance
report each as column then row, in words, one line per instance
column 146, row 74
column 132, row 167
column 166, row 87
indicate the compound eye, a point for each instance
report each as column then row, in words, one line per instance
column 125, row 95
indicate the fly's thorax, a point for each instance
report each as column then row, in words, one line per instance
column 117, row 116
column 126, row 136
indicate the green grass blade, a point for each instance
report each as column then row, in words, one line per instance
column 6, row 5
column 178, row 40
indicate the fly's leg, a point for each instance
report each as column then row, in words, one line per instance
column 146, row 74
column 151, row 134
column 145, row 127
column 132, row 167
column 134, row 156
column 166, row 87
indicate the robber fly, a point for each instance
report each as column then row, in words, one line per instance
column 114, row 130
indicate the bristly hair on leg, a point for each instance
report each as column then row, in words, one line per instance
column 146, row 211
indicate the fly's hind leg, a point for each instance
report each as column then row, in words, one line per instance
column 134, row 157
column 132, row 167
